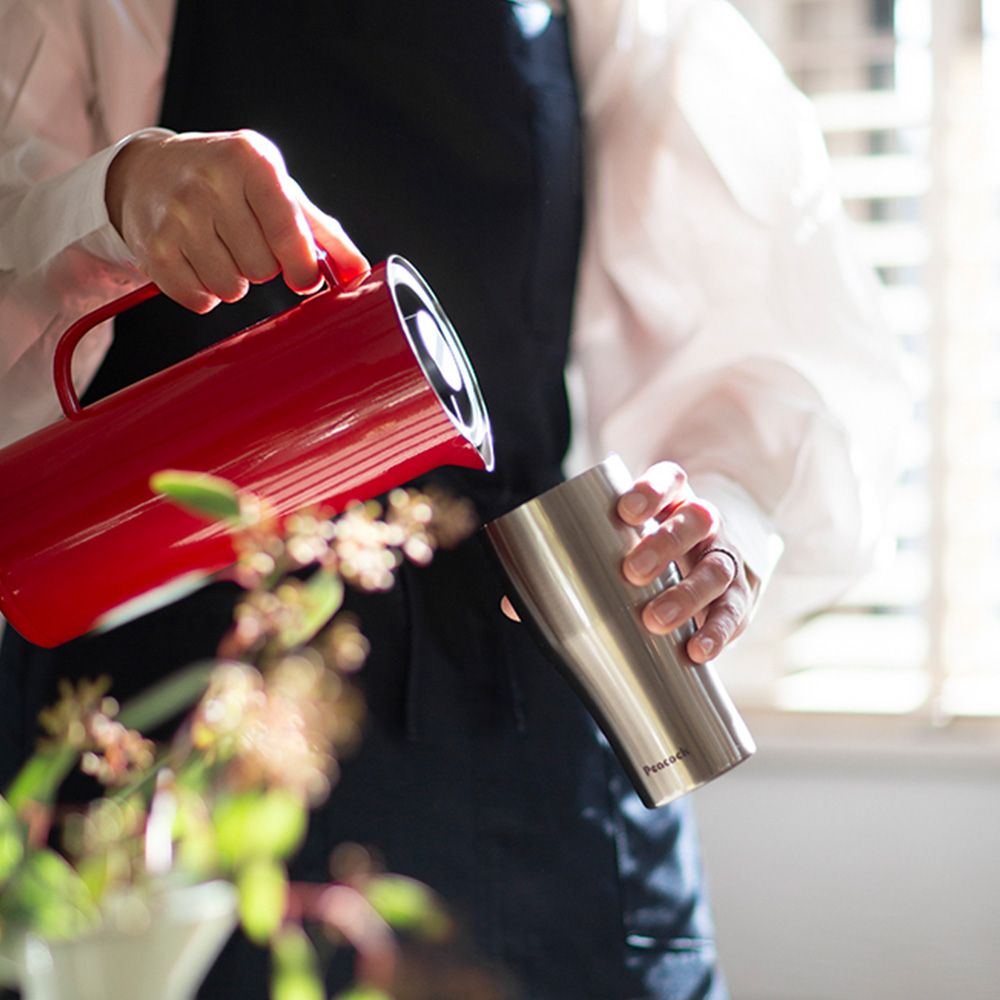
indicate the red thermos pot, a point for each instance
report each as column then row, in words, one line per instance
column 350, row 392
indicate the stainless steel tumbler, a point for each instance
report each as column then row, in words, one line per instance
column 670, row 720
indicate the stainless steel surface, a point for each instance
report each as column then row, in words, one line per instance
column 670, row 720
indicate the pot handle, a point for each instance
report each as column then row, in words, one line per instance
column 62, row 363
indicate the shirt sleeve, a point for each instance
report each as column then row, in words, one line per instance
column 59, row 255
column 723, row 320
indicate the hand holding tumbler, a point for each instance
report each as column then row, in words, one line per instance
column 669, row 719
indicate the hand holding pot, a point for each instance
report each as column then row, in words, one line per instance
column 207, row 214
column 717, row 589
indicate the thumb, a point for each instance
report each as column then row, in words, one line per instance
column 508, row 609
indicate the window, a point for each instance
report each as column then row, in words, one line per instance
column 908, row 95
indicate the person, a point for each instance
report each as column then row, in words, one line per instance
column 625, row 203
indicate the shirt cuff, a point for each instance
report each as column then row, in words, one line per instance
column 749, row 529
column 100, row 237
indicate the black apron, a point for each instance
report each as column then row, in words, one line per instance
column 447, row 132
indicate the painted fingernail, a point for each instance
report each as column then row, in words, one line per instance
column 634, row 504
column 642, row 563
column 705, row 646
column 664, row 613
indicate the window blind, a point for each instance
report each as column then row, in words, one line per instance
column 907, row 93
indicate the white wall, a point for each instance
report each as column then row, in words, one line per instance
column 864, row 871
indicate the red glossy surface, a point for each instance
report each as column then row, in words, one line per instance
column 322, row 404
column 62, row 363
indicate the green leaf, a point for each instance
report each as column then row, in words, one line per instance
column 40, row 777
column 322, row 596
column 363, row 993
column 48, row 897
column 278, row 823
column 11, row 840
column 200, row 493
column 257, row 825
column 197, row 855
column 167, row 698
column 294, row 967
column 406, row 904
column 263, row 888
column 95, row 871
column 152, row 600
column 231, row 819
column 194, row 834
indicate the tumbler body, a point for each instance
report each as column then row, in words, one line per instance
column 669, row 719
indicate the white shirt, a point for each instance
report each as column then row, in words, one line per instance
column 722, row 319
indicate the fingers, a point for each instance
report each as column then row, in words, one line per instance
column 716, row 593
column 245, row 242
column 293, row 226
column 691, row 523
column 195, row 267
column 271, row 195
column 708, row 580
column 724, row 621
column 347, row 260
column 217, row 271
column 662, row 487
column 179, row 281
column 715, row 590
column 208, row 214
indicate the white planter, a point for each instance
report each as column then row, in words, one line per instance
column 164, row 958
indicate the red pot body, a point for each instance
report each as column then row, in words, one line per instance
column 327, row 402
